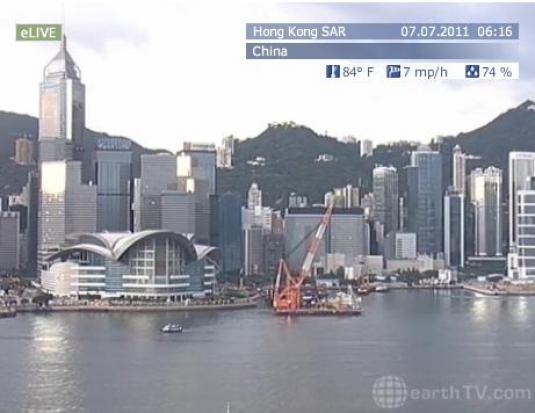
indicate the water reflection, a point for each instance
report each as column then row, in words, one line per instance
column 53, row 384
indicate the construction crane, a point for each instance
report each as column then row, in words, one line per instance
column 287, row 297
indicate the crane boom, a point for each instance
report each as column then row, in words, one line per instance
column 289, row 296
column 314, row 245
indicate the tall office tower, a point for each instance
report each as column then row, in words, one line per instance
column 225, row 152
column 254, row 197
column 521, row 167
column 521, row 260
column 352, row 196
column 9, row 241
column 158, row 174
column 32, row 188
column 65, row 205
column 230, row 232
column 254, row 250
column 428, row 201
column 366, row 147
column 486, row 199
column 459, row 170
column 61, row 109
column 112, row 166
column 454, row 229
column 256, row 215
column 347, row 234
column 178, row 212
column 197, row 171
column 411, row 207
column 402, row 214
column 385, row 192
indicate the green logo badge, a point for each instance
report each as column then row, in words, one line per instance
column 38, row 32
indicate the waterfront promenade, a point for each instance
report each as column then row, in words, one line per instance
column 105, row 306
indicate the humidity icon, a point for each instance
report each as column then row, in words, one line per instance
column 471, row 71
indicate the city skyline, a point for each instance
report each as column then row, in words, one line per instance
column 175, row 110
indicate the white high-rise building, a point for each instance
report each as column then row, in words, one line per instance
column 459, row 170
column 521, row 167
column 486, row 189
column 521, row 260
column 366, row 147
column 254, row 197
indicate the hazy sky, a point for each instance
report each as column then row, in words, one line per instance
column 163, row 71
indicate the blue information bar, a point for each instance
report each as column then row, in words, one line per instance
column 383, row 51
column 382, row 31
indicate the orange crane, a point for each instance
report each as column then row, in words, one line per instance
column 288, row 297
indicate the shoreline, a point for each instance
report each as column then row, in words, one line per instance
column 136, row 308
column 497, row 293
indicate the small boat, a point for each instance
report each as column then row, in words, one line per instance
column 381, row 288
column 172, row 328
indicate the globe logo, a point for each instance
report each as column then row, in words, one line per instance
column 390, row 392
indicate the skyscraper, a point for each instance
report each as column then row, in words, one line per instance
column 65, row 205
column 9, row 241
column 348, row 233
column 366, row 147
column 428, row 212
column 61, row 109
column 454, row 229
column 521, row 167
column 385, row 192
column 197, row 171
column 459, row 170
column 112, row 166
column 254, row 197
column 230, row 232
column 521, row 259
column 486, row 199
column 178, row 212
column 158, row 174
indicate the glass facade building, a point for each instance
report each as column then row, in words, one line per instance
column 61, row 108
column 428, row 201
column 112, row 174
column 486, row 198
column 230, row 232
column 454, row 229
column 154, row 264
column 385, row 192
column 348, row 233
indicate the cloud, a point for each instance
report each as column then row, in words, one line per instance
column 164, row 72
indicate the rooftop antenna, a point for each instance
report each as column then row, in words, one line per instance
column 63, row 30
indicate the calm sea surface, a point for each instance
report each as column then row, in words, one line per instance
column 447, row 352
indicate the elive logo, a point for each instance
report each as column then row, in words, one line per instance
column 38, row 32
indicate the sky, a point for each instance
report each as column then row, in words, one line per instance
column 163, row 71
